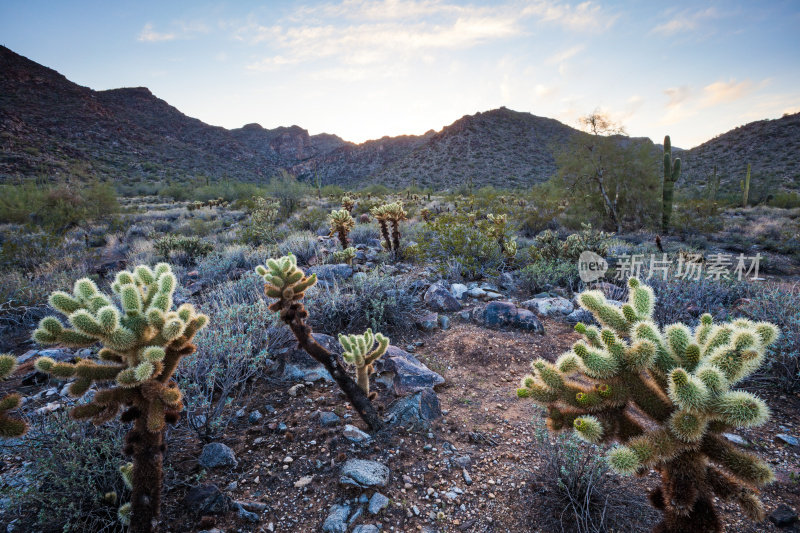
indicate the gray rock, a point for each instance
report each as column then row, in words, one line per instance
column 331, row 273
column 328, row 419
column 475, row 292
column 783, row 516
column 244, row 513
column 787, row 439
column 406, row 372
column 336, row 522
column 549, row 306
column 255, row 416
column 415, row 410
column 354, row 434
column 428, row 321
column 216, row 455
column 467, row 478
column 206, row 499
column 444, row 322
column 366, row 528
column 377, row 503
column 458, row 290
column 736, row 439
column 438, row 298
column 364, row 474
column 503, row 314
column 581, row 315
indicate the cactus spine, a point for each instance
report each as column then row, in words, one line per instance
column 680, row 379
column 285, row 282
column 341, row 223
column 143, row 340
column 10, row 426
column 672, row 171
column 358, row 351
column 348, row 203
column 746, row 187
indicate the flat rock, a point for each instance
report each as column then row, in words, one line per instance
column 458, row 290
column 556, row 306
column 336, row 522
column 438, row 298
column 428, row 321
column 364, row 474
column 377, row 503
column 354, row 434
column 736, row 439
column 216, row 455
column 366, row 528
column 206, row 499
column 328, row 418
column 406, row 373
column 787, row 439
column 415, row 410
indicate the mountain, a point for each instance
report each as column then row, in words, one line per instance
column 772, row 147
column 51, row 127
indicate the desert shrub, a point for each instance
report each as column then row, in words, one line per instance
column 548, row 273
column 25, row 250
column 231, row 260
column 304, row 245
column 697, row 215
column 376, row 301
column 684, row 300
column 68, row 468
column 235, row 350
column 579, row 492
column 288, row 192
column 364, row 234
column 459, row 244
column 549, row 246
column 259, row 228
column 780, row 304
column 192, row 247
column 311, row 219
column 786, row 200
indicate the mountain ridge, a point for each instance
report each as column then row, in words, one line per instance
column 52, row 127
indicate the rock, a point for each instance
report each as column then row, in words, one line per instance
column 312, row 374
column 581, row 315
column 364, row 474
column 217, row 454
column 206, row 499
column 303, row 481
column 295, row 389
column 444, row 322
column 244, row 513
column 467, row 478
column 491, row 295
column 255, row 416
column 328, row 419
column 57, row 354
column 458, row 290
column 354, row 434
column 787, row 439
column 377, row 503
column 475, row 292
column 783, row 516
column 366, row 528
column 736, row 439
column 336, row 522
column 331, row 272
column 549, row 306
column 406, row 372
column 415, row 410
column 428, row 321
column 502, row 314
column 438, row 298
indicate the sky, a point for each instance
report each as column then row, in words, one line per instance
column 363, row 69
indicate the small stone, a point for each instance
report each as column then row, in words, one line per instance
column 366, row 528
column 216, row 455
column 787, row 439
column 328, row 419
column 288, row 459
column 206, row 499
column 295, row 389
column 254, row 417
column 377, row 503
column 467, row 478
column 783, row 516
column 303, row 481
column 736, row 439
column 444, row 322
column 354, row 434
column 364, row 474
column 336, row 522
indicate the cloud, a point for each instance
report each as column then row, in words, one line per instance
column 564, row 55
column 582, row 17
column 180, row 30
column 685, row 21
column 677, row 95
column 721, row 92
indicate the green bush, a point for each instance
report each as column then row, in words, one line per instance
column 547, row 273
column 786, row 200
column 192, row 247
column 547, row 245
column 460, row 245
column 68, row 468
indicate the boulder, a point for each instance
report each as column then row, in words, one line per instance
column 549, row 306
column 428, row 321
column 504, row 314
column 404, row 372
column 458, row 290
column 438, row 298
column 581, row 315
column 415, row 410
column 336, row 522
column 206, row 499
column 216, row 454
column 364, row 474
column 331, row 272
column 783, row 516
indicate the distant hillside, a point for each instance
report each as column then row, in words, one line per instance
column 772, row 147
column 53, row 128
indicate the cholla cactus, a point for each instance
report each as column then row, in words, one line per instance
column 143, row 340
column 393, row 213
column 682, row 380
column 341, row 224
column 497, row 230
column 348, row 203
column 358, row 351
column 381, row 215
column 344, row 256
column 287, row 283
column 10, row 426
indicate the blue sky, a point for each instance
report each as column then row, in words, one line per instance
column 363, row 69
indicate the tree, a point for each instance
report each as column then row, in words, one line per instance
column 609, row 173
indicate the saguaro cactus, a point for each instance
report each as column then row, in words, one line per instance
column 341, row 223
column 287, row 283
column 143, row 340
column 746, row 188
column 672, row 171
column 10, row 426
column 358, row 351
column 681, row 380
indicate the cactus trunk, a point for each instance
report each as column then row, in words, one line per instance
column 147, row 449
column 395, row 236
column 385, row 232
column 362, row 377
column 746, row 187
column 342, row 238
column 672, row 171
column 686, row 504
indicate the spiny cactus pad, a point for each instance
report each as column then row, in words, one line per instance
column 284, row 281
column 680, row 379
column 359, row 352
